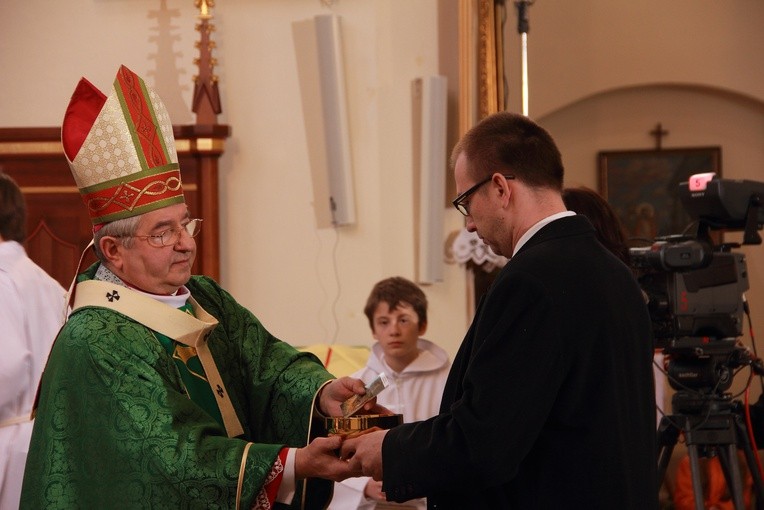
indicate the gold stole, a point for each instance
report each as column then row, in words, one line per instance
column 170, row 322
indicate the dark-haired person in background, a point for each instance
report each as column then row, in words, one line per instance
column 607, row 226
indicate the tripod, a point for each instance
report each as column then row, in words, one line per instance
column 711, row 425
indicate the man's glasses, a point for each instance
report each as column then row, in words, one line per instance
column 461, row 203
column 171, row 236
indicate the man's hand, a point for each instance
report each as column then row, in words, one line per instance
column 373, row 491
column 319, row 460
column 364, row 453
column 338, row 391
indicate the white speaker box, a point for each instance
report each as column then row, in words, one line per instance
column 429, row 100
column 321, row 71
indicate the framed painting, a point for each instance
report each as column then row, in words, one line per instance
column 643, row 187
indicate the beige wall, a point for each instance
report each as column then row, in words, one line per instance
column 602, row 74
column 582, row 48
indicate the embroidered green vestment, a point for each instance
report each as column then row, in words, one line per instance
column 115, row 427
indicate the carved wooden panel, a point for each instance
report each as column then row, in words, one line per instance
column 58, row 226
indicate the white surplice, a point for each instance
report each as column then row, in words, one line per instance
column 415, row 392
column 32, row 310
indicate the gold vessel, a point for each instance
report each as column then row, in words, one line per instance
column 361, row 422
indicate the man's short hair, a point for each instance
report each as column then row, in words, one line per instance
column 123, row 229
column 394, row 291
column 13, row 210
column 510, row 143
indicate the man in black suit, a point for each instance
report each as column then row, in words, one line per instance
column 550, row 401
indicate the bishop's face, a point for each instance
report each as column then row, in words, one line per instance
column 159, row 270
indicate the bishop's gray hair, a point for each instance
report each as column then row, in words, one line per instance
column 122, row 229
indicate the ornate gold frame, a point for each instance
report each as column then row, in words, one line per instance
column 481, row 60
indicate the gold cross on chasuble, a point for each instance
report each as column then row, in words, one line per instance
column 192, row 373
column 186, row 354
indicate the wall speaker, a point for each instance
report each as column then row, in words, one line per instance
column 429, row 100
column 321, row 71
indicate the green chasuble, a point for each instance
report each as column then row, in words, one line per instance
column 115, row 427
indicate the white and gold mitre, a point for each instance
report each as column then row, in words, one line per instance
column 121, row 149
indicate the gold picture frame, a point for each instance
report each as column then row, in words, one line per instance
column 481, row 60
column 643, row 186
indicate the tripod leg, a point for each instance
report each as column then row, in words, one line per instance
column 751, row 461
column 664, row 456
column 697, row 485
column 731, row 467
column 667, row 438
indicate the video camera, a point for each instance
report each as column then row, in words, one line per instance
column 695, row 289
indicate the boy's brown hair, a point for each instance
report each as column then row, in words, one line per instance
column 394, row 291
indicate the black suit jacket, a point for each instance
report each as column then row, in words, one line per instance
column 550, row 401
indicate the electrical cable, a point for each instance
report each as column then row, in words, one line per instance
column 317, row 269
column 339, row 287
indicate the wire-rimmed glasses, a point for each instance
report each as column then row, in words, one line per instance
column 171, row 236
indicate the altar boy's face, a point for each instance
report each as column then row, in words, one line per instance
column 397, row 331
